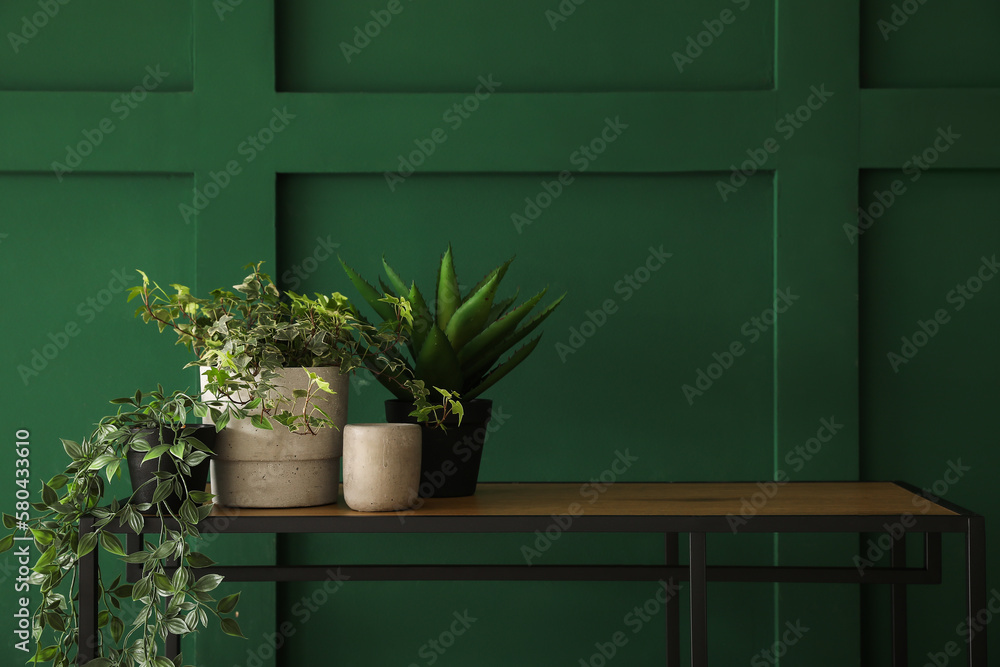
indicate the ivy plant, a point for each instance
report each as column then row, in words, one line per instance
column 177, row 603
column 243, row 338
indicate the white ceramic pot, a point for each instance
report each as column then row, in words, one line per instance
column 256, row 467
column 381, row 466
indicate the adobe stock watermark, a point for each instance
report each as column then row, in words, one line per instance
column 303, row 610
column 697, row 43
column 293, row 276
column 786, row 126
column 792, row 635
column 87, row 311
column 121, row 108
column 958, row 297
column 914, row 169
column 877, row 548
column 223, row 7
column 454, row 116
column 249, row 149
column 966, row 630
column 639, row 617
column 562, row 12
column 363, row 35
column 591, row 492
column 462, row 451
column 19, row 560
column 432, row 650
column 900, row 14
column 629, row 284
column 797, row 458
column 753, row 329
column 581, row 158
column 33, row 23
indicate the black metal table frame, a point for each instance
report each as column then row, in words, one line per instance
column 698, row 573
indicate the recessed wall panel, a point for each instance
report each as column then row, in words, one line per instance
column 111, row 45
column 930, row 44
column 528, row 46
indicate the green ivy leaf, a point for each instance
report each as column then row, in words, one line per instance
column 198, row 559
column 55, row 621
column 135, row 521
column 176, row 626
column 99, row 662
column 155, row 452
column 58, row 482
column 163, row 489
column 112, row 544
column 101, row 461
column 208, row 583
column 228, row 603
column 137, row 557
column 232, row 628
column 117, row 629
column 48, row 556
column 261, row 421
column 162, row 583
column 42, row 536
column 49, row 496
column 86, row 545
column 73, row 449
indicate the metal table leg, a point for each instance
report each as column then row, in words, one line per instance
column 975, row 552
column 673, row 606
column 89, row 641
column 699, row 600
column 898, row 593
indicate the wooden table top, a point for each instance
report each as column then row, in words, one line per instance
column 651, row 499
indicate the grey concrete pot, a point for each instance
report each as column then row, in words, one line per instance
column 381, row 466
column 256, row 467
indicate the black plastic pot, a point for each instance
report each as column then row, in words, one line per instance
column 140, row 472
column 450, row 459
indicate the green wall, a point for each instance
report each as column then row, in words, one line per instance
column 193, row 137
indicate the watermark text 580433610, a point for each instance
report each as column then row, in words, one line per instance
column 22, row 507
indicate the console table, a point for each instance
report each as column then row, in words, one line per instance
column 667, row 508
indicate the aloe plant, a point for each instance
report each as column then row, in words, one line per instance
column 463, row 345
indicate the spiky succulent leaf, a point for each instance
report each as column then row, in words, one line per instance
column 503, row 369
column 385, row 288
column 496, row 332
column 501, row 307
column 472, row 316
column 500, row 270
column 368, row 293
column 422, row 320
column 437, row 364
column 491, row 356
column 394, row 278
column 448, row 296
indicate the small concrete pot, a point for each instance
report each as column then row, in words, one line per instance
column 381, row 466
column 256, row 467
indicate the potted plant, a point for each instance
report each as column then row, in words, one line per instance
column 154, row 428
column 464, row 346
column 280, row 358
